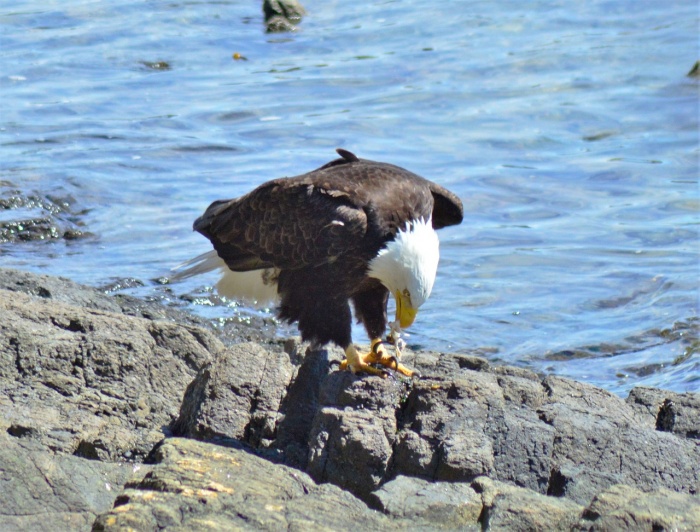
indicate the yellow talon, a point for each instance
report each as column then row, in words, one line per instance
column 377, row 355
column 356, row 362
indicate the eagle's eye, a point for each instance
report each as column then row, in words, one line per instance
column 406, row 293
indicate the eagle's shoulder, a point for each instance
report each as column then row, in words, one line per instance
column 390, row 190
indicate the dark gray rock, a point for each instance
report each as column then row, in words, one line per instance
column 678, row 413
column 353, row 432
column 81, row 385
column 237, row 395
column 601, row 441
column 43, row 490
column 282, row 15
column 93, row 383
column 234, row 330
column 301, row 403
column 456, row 424
column 520, row 386
column 56, row 289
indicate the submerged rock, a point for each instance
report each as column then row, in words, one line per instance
column 34, row 216
column 282, row 15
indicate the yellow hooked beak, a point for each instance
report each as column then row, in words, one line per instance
column 405, row 312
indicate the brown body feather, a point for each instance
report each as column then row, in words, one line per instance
column 320, row 230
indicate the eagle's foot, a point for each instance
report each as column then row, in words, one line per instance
column 356, row 362
column 379, row 355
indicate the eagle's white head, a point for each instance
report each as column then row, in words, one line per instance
column 407, row 266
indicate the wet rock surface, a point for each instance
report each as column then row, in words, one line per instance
column 282, row 15
column 27, row 216
column 94, row 389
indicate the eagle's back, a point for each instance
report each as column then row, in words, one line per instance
column 349, row 207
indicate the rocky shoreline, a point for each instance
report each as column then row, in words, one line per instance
column 121, row 413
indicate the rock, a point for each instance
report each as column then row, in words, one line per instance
column 38, row 216
column 85, row 387
column 678, row 413
column 282, row 15
column 354, row 431
column 232, row 330
column 453, row 505
column 302, row 401
column 56, row 289
column 508, row 507
column 93, row 383
column 357, row 441
column 66, row 491
column 602, row 441
column 622, row 507
column 196, row 486
column 520, row 386
column 456, row 424
column 237, row 395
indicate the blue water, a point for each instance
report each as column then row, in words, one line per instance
column 569, row 129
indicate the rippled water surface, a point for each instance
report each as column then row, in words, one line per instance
column 569, row 129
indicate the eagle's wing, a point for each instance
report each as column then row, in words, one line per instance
column 286, row 224
column 447, row 208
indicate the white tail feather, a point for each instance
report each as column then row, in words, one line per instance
column 256, row 287
column 206, row 262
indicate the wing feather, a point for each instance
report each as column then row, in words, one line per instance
column 285, row 223
column 315, row 218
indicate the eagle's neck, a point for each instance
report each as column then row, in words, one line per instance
column 409, row 262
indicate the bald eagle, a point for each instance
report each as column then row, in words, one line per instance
column 352, row 230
